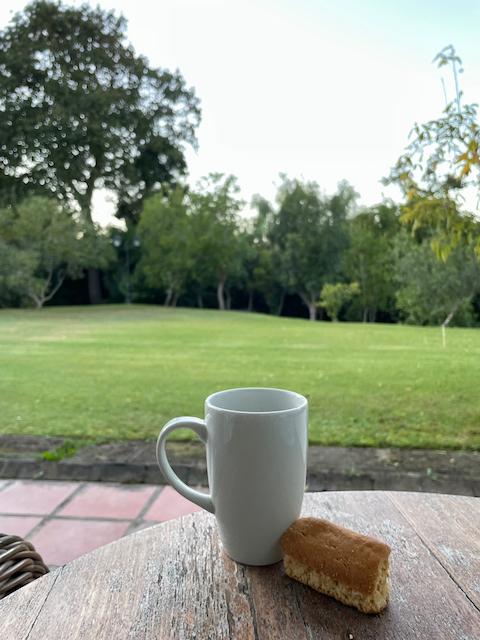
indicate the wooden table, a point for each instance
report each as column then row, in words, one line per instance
column 173, row 581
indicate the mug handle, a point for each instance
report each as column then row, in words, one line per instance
column 195, row 424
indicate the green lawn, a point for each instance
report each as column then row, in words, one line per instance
column 121, row 371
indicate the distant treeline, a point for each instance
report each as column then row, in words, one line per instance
column 309, row 255
column 81, row 111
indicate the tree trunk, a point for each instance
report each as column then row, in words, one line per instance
column 38, row 301
column 311, row 304
column 280, row 304
column 47, row 295
column 94, row 284
column 220, row 290
column 168, row 298
column 365, row 314
column 174, row 300
column 250, row 301
column 199, row 301
column 454, row 310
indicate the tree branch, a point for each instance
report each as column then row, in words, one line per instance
column 60, row 279
column 38, row 301
column 453, row 311
column 46, row 285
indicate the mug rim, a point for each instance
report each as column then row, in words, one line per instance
column 209, row 402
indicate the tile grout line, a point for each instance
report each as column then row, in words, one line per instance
column 132, row 523
column 140, row 517
column 47, row 517
column 60, row 517
column 54, row 514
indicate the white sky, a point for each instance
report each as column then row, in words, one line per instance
column 323, row 89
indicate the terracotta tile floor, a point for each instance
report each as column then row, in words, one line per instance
column 64, row 520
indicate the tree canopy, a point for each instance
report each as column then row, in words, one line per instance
column 42, row 243
column 369, row 258
column 167, row 243
column 441, row 160
column 215, row 208
column 431, row 291
column 81, row 109
column 309, row 232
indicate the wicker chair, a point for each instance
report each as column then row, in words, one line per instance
column 19, row 564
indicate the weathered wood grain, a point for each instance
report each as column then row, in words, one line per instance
column 276, row 606
column 20, row 610
column 169, row 581
column 450, row 527
column 173, row 581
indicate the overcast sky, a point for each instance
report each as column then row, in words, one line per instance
column 323, row 89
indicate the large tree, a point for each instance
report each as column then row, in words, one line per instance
column 81, row 110
column 441, row 160
column 266, row 274
column 243, row 277
column 14, row 265
column 215, row 205
column 309, row 234
column 43, row 242
column 431, row 291
column 167, row 243
column 267, row 277
column 369, row 258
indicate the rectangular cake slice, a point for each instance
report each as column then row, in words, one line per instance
column 346, row 565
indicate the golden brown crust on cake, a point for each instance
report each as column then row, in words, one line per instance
column 348, row 565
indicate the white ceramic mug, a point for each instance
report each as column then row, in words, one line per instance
column 256, row 441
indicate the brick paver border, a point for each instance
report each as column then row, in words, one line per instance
column 60, row 537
